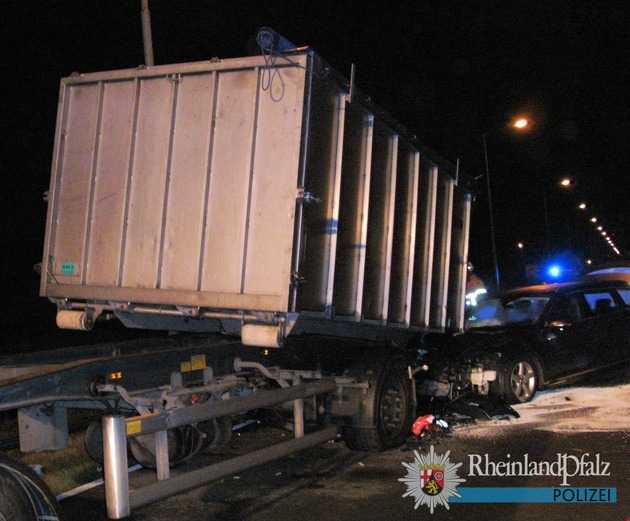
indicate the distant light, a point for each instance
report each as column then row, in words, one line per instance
column 593, row 219
column 554, row 271
column 589, row 261
column 617, row 251
column 604, row 234
column 582, row 206
column 566, row 182
column 600, row 228
column 520, row 245
column 521, row 123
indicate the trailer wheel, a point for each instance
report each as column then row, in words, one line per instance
column 386, row 411
column 23, row 495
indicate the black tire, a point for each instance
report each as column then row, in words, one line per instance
column 387, row 410
column 518, row 380
column 23, row 495
column 218, row 433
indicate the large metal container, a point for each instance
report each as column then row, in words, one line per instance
column 251, row 189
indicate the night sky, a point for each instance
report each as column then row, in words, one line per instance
column 448, row 70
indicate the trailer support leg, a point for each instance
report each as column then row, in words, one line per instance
column 298, row 414
column 116, row 466
column 161, row 455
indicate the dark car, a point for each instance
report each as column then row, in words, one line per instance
column 531, row 337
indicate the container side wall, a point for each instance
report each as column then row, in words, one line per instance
column 380, row 224
column 425, row 242
column 273, row 192
column 441, row 261
column 148, row 183
column 110, row 183
column 229, row 182
column 351, row 241
column 459, row 260
column 189, row 168
column 320, row 218
column 404, row 235
column 75, row 182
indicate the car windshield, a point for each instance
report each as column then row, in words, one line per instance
column 524, row 309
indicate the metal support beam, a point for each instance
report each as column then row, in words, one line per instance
column 115, row 467
column 152, row 423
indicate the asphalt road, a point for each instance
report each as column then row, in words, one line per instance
column 331, row 482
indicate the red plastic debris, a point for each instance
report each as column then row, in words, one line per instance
column 421, row 425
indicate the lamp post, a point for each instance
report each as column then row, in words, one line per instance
column 495, row 258
column 520, row 123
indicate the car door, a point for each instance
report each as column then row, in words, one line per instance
column 619, row 332
column 624, row 301
column 567, row 336
column 608, row 318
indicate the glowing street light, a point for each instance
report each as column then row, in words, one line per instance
column 600, row 228
column 582, row 206
column 589, row 261
column 593, row 219
column 566, row 182
column 520, row 123
column 520, row 245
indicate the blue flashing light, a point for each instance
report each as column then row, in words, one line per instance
column 554, row 271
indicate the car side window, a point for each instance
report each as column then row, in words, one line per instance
column 600, row 302
column 566, row 308
column 625, row 295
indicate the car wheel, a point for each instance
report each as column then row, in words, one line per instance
column 518, row 381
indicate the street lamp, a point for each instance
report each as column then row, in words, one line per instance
column 582, row 206
column 495, row 258
column 566, row 182
column 593, row 219
column 520, row 123
column 520, row 245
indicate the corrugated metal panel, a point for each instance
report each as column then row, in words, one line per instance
column 425, row 245
column 148, row 183
column 185, row 208
column 354, row 207
column 323, row 182
column 459, row 259
column 110, row 183
column 403, row 253
column 441, row 263
column 380, row 224
column 72, row 201
column 229, row 182
column 273, row 192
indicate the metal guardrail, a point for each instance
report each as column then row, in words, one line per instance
column 116, row 429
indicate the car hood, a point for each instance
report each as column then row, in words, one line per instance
column 479, row 340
